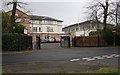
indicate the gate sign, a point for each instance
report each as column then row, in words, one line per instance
column 113, row 30
column 25, row 31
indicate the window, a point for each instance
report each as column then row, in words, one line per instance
column 34, row 29
column 39, row 29
column 46, row 22
column 49, row 29
column 93, row 27
column 76, row 29
column 18, row 20
column 25, row 20
column 36, row 22
column 40, row 22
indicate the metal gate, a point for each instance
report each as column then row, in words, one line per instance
column 38, row 42
column 65, row 41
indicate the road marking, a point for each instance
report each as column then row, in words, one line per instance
column 90, row 59
column 104, row 56
column 74, row 59
column 86, row 58
column 117, row 56
column 98, row 57
column 113, row 55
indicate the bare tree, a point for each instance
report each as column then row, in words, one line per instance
column 116, row 12
column 100, row 10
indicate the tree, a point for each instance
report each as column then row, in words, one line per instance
column 100, row 10
column 15, row 3
column 6, row 23
column 19, row 29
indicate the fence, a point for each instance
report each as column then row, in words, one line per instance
column 15, row 42
column 87, row 41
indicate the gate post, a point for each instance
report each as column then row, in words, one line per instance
column 38, row 42
column 69, row 41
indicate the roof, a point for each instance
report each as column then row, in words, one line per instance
column 81, row 23
column 19, row 11
column 34, row 17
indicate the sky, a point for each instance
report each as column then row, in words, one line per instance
column 69, row 11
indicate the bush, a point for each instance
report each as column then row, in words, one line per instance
column 15, row 42
column 109, row 35
column 19, row 29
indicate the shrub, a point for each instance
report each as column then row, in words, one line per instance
column 15, row 42
column 109, row 35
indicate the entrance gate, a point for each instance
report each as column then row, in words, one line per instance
column 38, row 42
column 65, row 41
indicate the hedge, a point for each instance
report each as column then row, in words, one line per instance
column 15, row 42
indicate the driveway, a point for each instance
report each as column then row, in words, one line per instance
column 53, row 58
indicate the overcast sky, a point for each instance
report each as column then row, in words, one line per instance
column 70, row 11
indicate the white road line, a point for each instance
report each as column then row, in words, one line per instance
column 113, row 55
column 98, row 57
column 74, row 59
column 104, row 56
column 86, row 58
column 117, row 56
column 109, row 57
column 90, row 59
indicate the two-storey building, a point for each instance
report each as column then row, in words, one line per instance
column 83, row 28
column 48, row 28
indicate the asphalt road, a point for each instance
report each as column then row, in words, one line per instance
column 53, row 52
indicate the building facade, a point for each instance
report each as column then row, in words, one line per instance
column 23, row 19
column 83, row 28
column 48, row 28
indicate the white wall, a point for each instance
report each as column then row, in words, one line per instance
column 83, row 33
column 56, row 28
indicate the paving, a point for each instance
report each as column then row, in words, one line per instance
column 51, row 58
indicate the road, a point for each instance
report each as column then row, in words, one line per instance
column 108, row 56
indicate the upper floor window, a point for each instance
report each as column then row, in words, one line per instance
column 18, row 20
column 49, row 29
column 39, row 29
column 34, row 29
column 36, row 22
column 26, row 20
column 77, row 29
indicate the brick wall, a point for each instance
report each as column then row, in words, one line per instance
column 87, row 41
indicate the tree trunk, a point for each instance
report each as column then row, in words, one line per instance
column 105, row 22
column 13, row 15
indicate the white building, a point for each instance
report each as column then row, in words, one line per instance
column 48, row 28
column 83, row 28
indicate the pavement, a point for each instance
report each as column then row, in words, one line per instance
column 51, row 58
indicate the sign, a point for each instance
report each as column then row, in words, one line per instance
column 113, row 30
column 25, row 31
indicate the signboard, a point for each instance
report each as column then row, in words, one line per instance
column 25, row 31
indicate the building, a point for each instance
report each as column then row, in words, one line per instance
column 83, row 28
column 48, row 28
column 23, row 19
